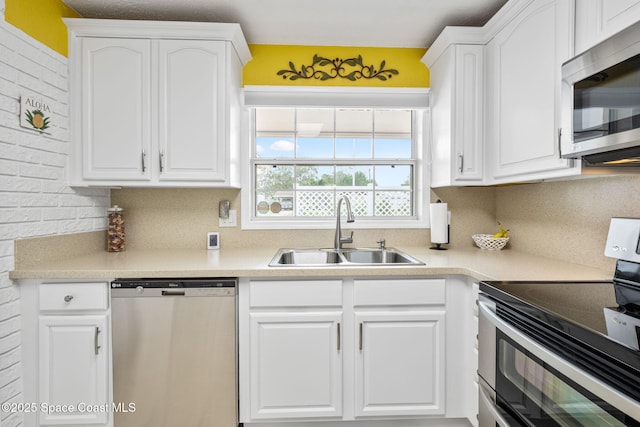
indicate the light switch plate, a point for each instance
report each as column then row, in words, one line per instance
column 231, row 221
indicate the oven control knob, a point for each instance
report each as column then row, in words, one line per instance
column 139, row 290
column 615, row 248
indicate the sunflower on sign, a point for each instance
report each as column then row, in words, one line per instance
column 37, row 119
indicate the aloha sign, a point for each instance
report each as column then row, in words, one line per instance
column 35, row 114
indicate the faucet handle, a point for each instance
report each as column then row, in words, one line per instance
column 347, row 239
column 382, row 243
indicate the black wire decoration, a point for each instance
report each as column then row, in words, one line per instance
column 337, row 68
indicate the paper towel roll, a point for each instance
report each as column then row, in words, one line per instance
column 439, row 222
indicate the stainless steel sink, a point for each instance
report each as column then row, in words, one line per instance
column 378, row 256
column 343, row 257
column 306, row 257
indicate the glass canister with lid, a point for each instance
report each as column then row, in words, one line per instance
column 115, row 229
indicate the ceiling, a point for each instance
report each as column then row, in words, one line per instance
column 382, row 23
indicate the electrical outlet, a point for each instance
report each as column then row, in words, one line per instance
column 229, row 222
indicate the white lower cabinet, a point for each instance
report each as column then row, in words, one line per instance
column 399, row 363
column 341, row 350
column 296, row 365
column 74, row 372
column 66, row 353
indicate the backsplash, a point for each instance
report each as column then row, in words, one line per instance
column 181, row 218
column 566, row 220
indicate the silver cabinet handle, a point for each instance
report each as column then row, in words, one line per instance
column 461, row 163
column 360, row 338
column 161, row 161
column 338, row 336
column 560, row 143
column 96, row 347
column 68, row 298
column 144, row 161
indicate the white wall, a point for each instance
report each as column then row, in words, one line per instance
column 34, row 197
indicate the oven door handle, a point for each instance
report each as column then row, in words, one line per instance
column 490, row 404
column 575, row 374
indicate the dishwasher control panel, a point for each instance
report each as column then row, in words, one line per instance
column 173, row 287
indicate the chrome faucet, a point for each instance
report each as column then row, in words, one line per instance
column 339, row 240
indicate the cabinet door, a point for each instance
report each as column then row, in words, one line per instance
column 457, row 96
column 597, row 20
column 116, row 109
column 525, row 61
column 73, row 369
column 191, row 108
column 467, row 110
column 296, row 367
column 400, row 363
column 441, row 102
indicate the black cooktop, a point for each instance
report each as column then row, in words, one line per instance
column 574, row 310
column 579, row 302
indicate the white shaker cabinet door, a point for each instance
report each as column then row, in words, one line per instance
column 116, row 109
column 457, row 96
column 597, row 20
column 400, row 363
column 74, row 369
column 524, row 96
column 192, row 114
column 296, row 368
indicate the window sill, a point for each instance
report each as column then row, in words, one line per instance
column 330, row 224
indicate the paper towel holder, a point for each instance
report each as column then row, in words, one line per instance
column 438, row 246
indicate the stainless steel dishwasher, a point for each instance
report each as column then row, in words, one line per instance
column 174, row 352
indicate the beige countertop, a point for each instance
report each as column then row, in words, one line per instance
column 229, row 262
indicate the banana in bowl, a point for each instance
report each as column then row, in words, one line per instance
column 492, row 242
column 487, row 241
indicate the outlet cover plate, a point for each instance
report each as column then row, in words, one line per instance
column 231, row 221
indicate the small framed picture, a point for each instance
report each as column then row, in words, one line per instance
column 213, row 240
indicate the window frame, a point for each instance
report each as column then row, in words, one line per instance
column 341, row 97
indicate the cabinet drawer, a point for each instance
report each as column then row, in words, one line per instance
column 399, row 292
column 74, row 296
column 308, row 293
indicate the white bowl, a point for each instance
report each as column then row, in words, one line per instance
column 485, row 241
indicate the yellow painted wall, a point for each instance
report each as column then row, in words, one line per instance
column 269, row 59
column 41, row 20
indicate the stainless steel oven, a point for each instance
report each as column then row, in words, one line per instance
column 564, row 353
column 526, row 381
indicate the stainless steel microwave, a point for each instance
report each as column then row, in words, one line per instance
column 601, row 102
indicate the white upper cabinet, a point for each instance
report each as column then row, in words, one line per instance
column 496, row 96
column 457, row 96
column 191, row 110
column 115, row 109
column 155, row 103
column 524, row 92
column 597, row 20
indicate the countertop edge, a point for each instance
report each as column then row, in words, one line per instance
column 253, row 263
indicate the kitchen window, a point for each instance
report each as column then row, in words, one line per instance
column 304, row 158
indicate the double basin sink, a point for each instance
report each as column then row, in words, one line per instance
column 342, row 257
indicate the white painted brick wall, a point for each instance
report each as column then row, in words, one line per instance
column 35, row 199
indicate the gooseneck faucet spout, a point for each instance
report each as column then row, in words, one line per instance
column 339, row 240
